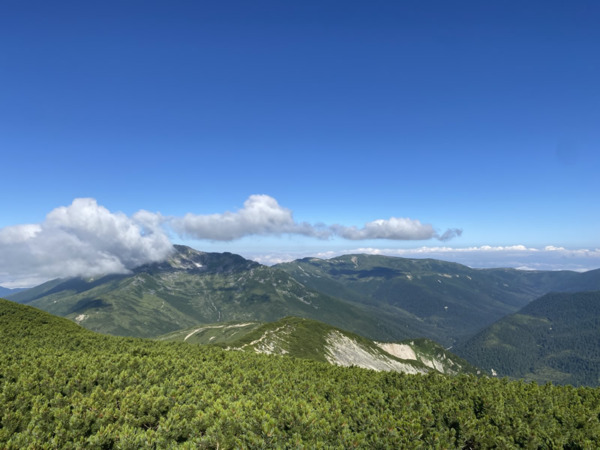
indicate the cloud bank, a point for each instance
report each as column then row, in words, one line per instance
column 86, row 239
column 83, row 239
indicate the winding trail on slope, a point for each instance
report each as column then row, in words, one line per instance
column 237, row 325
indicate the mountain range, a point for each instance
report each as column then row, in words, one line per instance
column 445, row 301
column 193, row 288
column 384, row 299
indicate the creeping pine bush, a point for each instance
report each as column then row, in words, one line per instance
column 65, row 387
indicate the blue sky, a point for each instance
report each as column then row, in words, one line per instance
column 478, row 118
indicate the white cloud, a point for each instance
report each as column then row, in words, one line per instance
column 18, row 233
column 261, row 215
column 86, row 239
column 83, row 239
column 394, row 228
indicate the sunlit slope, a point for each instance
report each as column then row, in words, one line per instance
column 310, row 339
column 448, row 301
column 554, row 338
column 217, row 333
column 62, row 386
column 192, row 288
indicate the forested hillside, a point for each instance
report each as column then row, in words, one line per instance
column 446, row 302
column 62, row 386
column 554, row 338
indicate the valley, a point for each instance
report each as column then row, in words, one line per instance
column 222, row 299
column 554, row 338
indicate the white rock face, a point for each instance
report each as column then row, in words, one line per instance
column 434, row 364
column 343, row 351
column 405, row 351
column 402, row 351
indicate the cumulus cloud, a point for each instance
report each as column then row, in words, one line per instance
column 83, row 239
column 86, row 239
column 394, row 228
column 261, row 215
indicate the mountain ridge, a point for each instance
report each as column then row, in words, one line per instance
column 449, row 300
column 314, row 340
column 379, row 297
column 4, row 292
column 194, row 287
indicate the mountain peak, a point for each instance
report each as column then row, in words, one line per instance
column 187, row 259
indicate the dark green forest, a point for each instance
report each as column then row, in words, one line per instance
column 554, row 337
column 62, row 386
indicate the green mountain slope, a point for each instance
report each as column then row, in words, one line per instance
column 310, row 339
column 554, row 338
column 62, row 386
column 194, row 287
column 212, row 334
column 5, row 292
column 382, row 298
column 444, row 301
